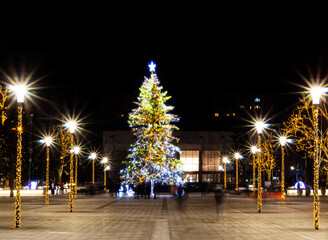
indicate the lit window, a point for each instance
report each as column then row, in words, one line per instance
column 228, row 115
column 211, row 160
column 233, row 114
column 216, row 114
column 257, row 107
column 190, row 160
column 257, row 100
column 242, row 107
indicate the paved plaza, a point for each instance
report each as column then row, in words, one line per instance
column 104, row 217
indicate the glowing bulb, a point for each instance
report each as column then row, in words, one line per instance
column 316, row 93
column 104, row 160
column 47, row 141
column 71, row 125
column 93, row 156
column 254, row 149
column 76, row 150
column 237, row 155
column 260, row 125
column 20, row 91
column 282, row 141
column 225, row 160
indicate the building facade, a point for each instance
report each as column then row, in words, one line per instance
column 201, row 151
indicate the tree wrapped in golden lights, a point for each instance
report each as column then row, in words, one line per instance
column 303, row 125
column 153, row 155
column 268, row 162
column 63, row 139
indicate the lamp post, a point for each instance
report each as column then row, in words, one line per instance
column 225, row 161
column 283, row 141
column 237, row 157
column 47, row 141
column 76, row 151
column 316, row 93
column 20, row 91
column 254, row 150
column 259, row 125
column 93, row 157
column 71, row 125
column 105, row 161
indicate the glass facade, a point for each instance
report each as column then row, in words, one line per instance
column 190, row 160
column 211, row 161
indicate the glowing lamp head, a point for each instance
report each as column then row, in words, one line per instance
column 316, row 93
column 76, row 150
column 93, row 156
column 71, row 125
column 20, row 91
column 283, row 141
column 104, row 160
column 225, row 160
column 47, row 141
column 237, row 155
column 260, row 125
column 254, row 149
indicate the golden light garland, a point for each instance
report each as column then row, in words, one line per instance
column 71, row 176
column 254, row 174
column 18, row 167
column 75, row 188
column 259, row 175
column 316, row 200
column 47, row 179
column 283, row 192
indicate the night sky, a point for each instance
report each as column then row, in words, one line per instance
column 83, row 59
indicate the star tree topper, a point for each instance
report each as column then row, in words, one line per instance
column 152, row 67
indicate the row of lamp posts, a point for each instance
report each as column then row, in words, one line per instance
column 316, row 94
column 20, row 91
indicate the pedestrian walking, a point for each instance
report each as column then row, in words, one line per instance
column 218, row 194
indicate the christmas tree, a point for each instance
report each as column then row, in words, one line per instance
column 152, row 157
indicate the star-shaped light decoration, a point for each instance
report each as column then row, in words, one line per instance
column 152, row 67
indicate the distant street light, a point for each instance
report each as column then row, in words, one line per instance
column 225, row 161
column 47, row 141
column 316, row 93
column 283, row 140
column 237, row 157
column 71, row 126
column 20, row 91
column 76, row 151
column 93, row 157
column 254, row 150
column 105, row 161
column 259, row 126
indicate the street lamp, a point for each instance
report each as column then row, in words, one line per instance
column 76, row 151
column 254, row 150
column 259, row 126
column 105, row 161
column 225, row 161
column 237, row 157
column 93, row 157
column 316, row 93
column 47, row 140
column 283, row 140
column 20, row 90
column 71, row 126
